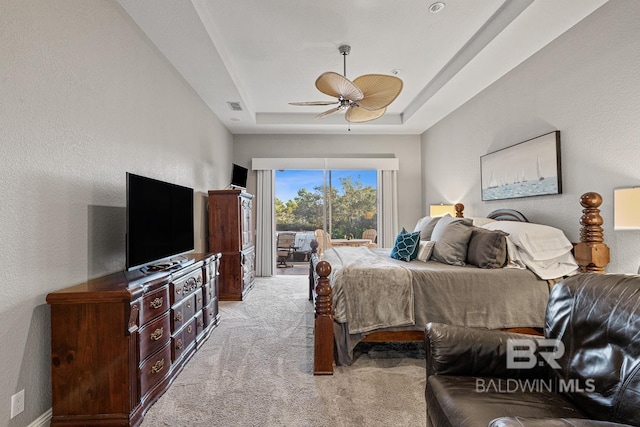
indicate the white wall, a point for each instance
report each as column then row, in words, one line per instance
column 584, row 84
column 84, row 98
column 404, row 147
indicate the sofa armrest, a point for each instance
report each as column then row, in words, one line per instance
column 550, row 422
column 455, row 350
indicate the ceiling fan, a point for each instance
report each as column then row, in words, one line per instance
column 364, row 99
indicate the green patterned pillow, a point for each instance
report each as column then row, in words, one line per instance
column 406, row 246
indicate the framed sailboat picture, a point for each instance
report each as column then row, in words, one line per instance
column 530, row 168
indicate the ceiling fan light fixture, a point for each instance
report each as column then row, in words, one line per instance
column 364, row 99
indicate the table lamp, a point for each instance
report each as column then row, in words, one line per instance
column 626, row 209
column 441, row 210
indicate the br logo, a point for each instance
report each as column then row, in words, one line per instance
column 522, row 353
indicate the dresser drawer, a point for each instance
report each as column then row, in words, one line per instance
column 211, row 270
column 186, row 285
column 182, row 312
column 211, row 312
column 154, row 335
column 154, row 304
column 209, row 292
column 199, row 298
column 200, row 322
column 183, row 339
column 155, row 368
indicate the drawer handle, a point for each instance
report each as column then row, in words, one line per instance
column 156, row 303
column 189, row 329
column 201, row 323
column 179, row 344
column 200, row 300
column 178, row 317
column 157, row 367
column 189, row 304
column 157, row 334
column 178, row 290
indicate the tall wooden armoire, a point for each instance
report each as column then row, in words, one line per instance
column 231, row 233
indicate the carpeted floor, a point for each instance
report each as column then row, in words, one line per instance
column 256, row 370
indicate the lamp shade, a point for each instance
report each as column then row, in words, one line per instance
column 626, row 209
column 441, row 210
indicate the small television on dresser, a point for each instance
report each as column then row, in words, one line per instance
column 239, row 176
column 159, row 222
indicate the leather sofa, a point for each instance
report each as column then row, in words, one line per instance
column 585, row 371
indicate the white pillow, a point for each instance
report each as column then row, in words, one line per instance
column 563, row 265
column 425, row 249
column 539, row 242
column 479, row 221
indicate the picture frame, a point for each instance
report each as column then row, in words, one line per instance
column 529, row 168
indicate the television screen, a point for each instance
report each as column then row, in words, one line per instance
column 239, row 176
column 159, row 220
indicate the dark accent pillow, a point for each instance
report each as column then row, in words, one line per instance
column 406, row 246
column 452, row 238
column 487, row 249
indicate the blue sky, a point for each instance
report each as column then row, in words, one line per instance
column 290, row 181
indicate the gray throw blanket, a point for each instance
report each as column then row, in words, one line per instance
column 377, row 292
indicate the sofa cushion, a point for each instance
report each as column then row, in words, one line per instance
column 475, row 401
column 602, row 313
column 550, row 422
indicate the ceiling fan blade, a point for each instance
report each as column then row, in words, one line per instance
column 315, row 103
column 379, row 90
column 357, row 114
column 334, row 84
column 328, row 113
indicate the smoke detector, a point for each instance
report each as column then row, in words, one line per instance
column 436, row 7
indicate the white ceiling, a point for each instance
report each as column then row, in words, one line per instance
column 267, row 53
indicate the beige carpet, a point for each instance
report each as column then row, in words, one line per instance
column 256, row 370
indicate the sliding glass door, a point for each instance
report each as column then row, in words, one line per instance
column 341, row 202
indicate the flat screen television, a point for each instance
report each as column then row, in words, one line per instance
column 239, row 176
column 159, row 221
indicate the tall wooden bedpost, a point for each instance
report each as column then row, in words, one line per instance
column 323, row 332
column 592, row 254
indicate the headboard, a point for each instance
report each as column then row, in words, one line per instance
column 507, row 215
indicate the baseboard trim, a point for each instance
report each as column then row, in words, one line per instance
column 43, row 420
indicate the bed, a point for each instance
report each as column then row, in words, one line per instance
column 354, row 301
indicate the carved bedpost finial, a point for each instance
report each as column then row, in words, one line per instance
column 459, row 208
column 591, row 221
column 591, row 254
column 323, row 336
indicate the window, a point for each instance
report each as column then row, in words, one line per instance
column 342, row 202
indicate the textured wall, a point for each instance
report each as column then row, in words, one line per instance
column 584, row 84
column 404, row 147
column 84, row 98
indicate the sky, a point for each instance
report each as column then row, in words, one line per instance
column 288, row 182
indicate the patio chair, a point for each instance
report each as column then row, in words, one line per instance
column 370, row 234
column 324, row 241
column 286, row 246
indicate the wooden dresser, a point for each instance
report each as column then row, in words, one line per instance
column 117, row 342
column 231, row 233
